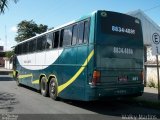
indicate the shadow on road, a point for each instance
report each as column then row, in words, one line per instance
column 29, row 88
column 152, row 97
column 116, row 107
column 119, row 108
column 7, row 101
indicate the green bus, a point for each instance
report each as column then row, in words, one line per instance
column 96, row 57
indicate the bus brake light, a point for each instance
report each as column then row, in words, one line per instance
column 96, row 77
column 142, row 75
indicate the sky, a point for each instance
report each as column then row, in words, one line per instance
column 57, row 12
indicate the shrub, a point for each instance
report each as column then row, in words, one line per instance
column 151, row 83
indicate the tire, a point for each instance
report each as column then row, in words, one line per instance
column 53, row 89
column 44, row 87
column 17, row 80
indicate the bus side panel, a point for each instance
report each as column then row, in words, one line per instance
column 68, row 69
column 89, row 92
column 65, row 69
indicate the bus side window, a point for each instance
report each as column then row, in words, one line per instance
column 20, row 49
column 80, row 32
column 67, row 36
column 44, row 39
column 16, row 50
column 29, row 46
column 61, row 38
column 49, row 41
column 86, row 31
column 25, row 47
column 32, row 46
column 41, row 43
column 56, row 39
column 75, row 33
column 53, row 38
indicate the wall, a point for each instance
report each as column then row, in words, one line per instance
column 151, row 69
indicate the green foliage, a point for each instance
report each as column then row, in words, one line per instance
column 151, row 83
column 157, row 86
column 51, row 28
column 8, row 54
column 28, row 29
column 4, row 4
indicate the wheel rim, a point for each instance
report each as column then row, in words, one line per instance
column 52, row 88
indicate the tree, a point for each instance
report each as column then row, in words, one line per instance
column 28, row 29
column 8, row 54
column 4, row 4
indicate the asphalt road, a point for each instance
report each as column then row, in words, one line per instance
column 23, row 100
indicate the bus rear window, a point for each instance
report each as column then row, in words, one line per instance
column 119, row 24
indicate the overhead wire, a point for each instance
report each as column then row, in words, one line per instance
column 149, row 9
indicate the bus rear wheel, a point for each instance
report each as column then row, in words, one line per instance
column 17, row 80
column 44, row 86
column 53, row 89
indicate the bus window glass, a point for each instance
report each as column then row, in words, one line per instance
column 56, row 39
column 67, row 36
column 80, row 32
column 61, row 38
column 16, row 50
column 20, row 49
column 41, row 42
column 44, row 39
column 25, row 47
column 49, row 41
column 29, row 46
column 53, row 40
column 74, row 38
column 32, row 45
column 86, row 31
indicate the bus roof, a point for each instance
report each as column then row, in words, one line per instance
column 67, row 24
column 59, row 27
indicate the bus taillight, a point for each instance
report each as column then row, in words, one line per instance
column 96, row 77
column 142, row 75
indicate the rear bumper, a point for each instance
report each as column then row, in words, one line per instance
column 101, row 92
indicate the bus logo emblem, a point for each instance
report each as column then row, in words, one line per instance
column 103, row 14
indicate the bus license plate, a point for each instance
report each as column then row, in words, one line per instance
column 120, row 92
column 123, row 79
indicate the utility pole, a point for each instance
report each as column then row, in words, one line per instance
column 158, row 76
column 156, row 51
